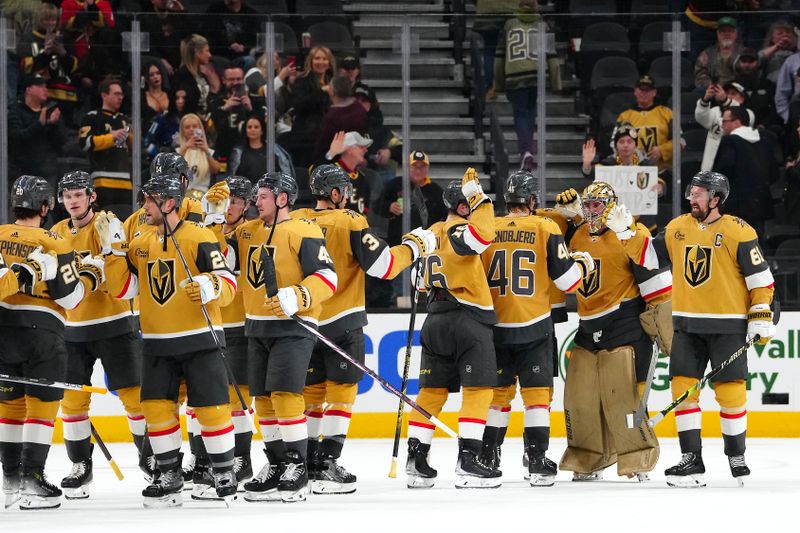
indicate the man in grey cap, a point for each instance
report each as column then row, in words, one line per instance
column 348, row 150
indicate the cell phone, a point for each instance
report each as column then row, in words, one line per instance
column 239, row 91
column 198, row 133
column 291, row 61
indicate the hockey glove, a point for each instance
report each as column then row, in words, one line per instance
column 584, row 261
column 94, row 269
column 619, row 220
column 37, row 267
column 202, row 289
column 110, row 233
column 215, row 203
column 568, row 203
column 471, row 188
column 421, row 241
column 759, row 322
column 288, row 301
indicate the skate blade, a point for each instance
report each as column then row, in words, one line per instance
column 418, row 482
column 332, row 487
column 693, row 481
column 205, row 492
column 188, row 485
column 643, row 477
column 582, row 478
column 29, row 502
column 541, row 480
column 170, row 500
column 10, row 499
column 473, row 482
column 78, row 493
column 228, row 500
column 294, row 496
column 266, row 496
column 740, row 480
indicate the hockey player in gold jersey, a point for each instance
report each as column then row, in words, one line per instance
column 527, row 256
column 722, row 294
column 279, row 350
column 101, row 328
column 332, row 383
column 36, row 268
column 178, row 341
column 32, row 344
column 457, row 349
column 609, row 364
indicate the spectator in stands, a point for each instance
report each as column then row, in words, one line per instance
column 196, row 73
column 156, row 99
column 708, row 113
column 348, row 150
column 21, row 17
column 653, row 124
column 746, row 159
column 81, row 19
column 310, row 99
column 626, row 151
column 715, row 63
column 350, row 66
column 780, row 43
column 344, row 114
column 229, row 110
column 787, row 85
column 759, row 91
column 166, row 28
column 42, row 51
column 285, row 75
column 489, row 22
column 162, row 134
column 249, row 158
column 232, row 26
column 200, row 157
column 36, row 132
column 386, row 150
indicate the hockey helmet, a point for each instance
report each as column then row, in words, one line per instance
column 325, row 178
column 716, row 184
column 279, row 182
column 240, row 187
column 31, row 192
column 453, row 196
column 77, row 179
column 520, row 186
column 165, row 185
column 167, row 162
column 601, row 192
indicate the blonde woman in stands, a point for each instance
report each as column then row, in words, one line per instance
column 196, row 72
column 194, row 148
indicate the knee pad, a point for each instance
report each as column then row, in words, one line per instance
column 475, row 402
column 130, row 398
column 236, row 405
column 36, row 408
column 731, row 394
column 264, row 407
column 314, row 397
column 536, row 395
column 75, row 402
column 288, row 404
column 430, row 399
column 159, row 414
column 681, row 384
column 213, row 417
column 13, row 409
column 502, row 396
column 341, row 393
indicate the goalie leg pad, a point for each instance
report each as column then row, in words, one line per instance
column 588, row 445
column 637, row 448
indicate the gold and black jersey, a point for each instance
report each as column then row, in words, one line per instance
column 654, row 128
column 100, row 315
column 718, row 270
column 528, row 254
column 453, row 273
column 233, row 313
column 300, row 257
column 44, row 306
column 617, row 283
column 111, row 163
column 171, row 323
column 9, row 283
column 558, row 300
column 356, row 250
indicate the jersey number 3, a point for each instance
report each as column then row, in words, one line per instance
column 517, row 273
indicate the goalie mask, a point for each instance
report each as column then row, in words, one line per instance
column 594, row 201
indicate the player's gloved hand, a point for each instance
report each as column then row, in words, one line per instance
column 110, row 233
column 568, row 203
column 215, row 203
column 619, row 220
column 202, row 289
column 759, row 322
column 37, row 267
column 94, row 269
column 584, row 261
column 417, row 279
column 421, row 241
column 288, row 301
column 471, row 188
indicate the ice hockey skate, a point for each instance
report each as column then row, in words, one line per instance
column 188, row 471
column 472, row 472
column 203, row 482
column 225, row 487
column 38, row 493
column 12, row 479
column 243, row 469
column 293, row 483
column 587, row 476
column 264, row 486
column 420, row 473
column 332, row 478
column 541, row 470
column 76, row 483
column 739, row 469
column 165, row 491
column 688, row 473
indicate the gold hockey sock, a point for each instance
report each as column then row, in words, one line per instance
column 474, row 410
column 76, row 424
column 432, row 400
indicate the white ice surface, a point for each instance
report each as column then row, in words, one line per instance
column 765, row 504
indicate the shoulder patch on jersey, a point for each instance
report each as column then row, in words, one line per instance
column 54, row 235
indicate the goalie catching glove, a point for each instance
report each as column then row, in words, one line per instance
column 110, row 233
column 94, row 269
column 759, row 322
column 37, row 267
column 289, row 301
column 203, row 288
column 619, row 220
column 568, row 203
column 471, row 188
column 215, row 203
column 421, row 242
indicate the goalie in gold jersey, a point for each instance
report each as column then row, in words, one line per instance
column 527, row 256
column 456, row 338
column 332, row 383
column 722, row 294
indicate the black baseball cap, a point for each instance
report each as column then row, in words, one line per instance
column 645, row 82
column 33, row 79
column 349, row 63
column 362, row 89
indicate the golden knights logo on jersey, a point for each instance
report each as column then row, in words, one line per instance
column 648, row 138
column 161, row 276
column 591, row 281
column 255, row 267
column 697, row 264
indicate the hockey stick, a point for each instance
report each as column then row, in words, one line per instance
column 271, row 285
column 406, row 367
column 105, row 451
column 634, row 419
column 42, row 382
column 699, row 385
